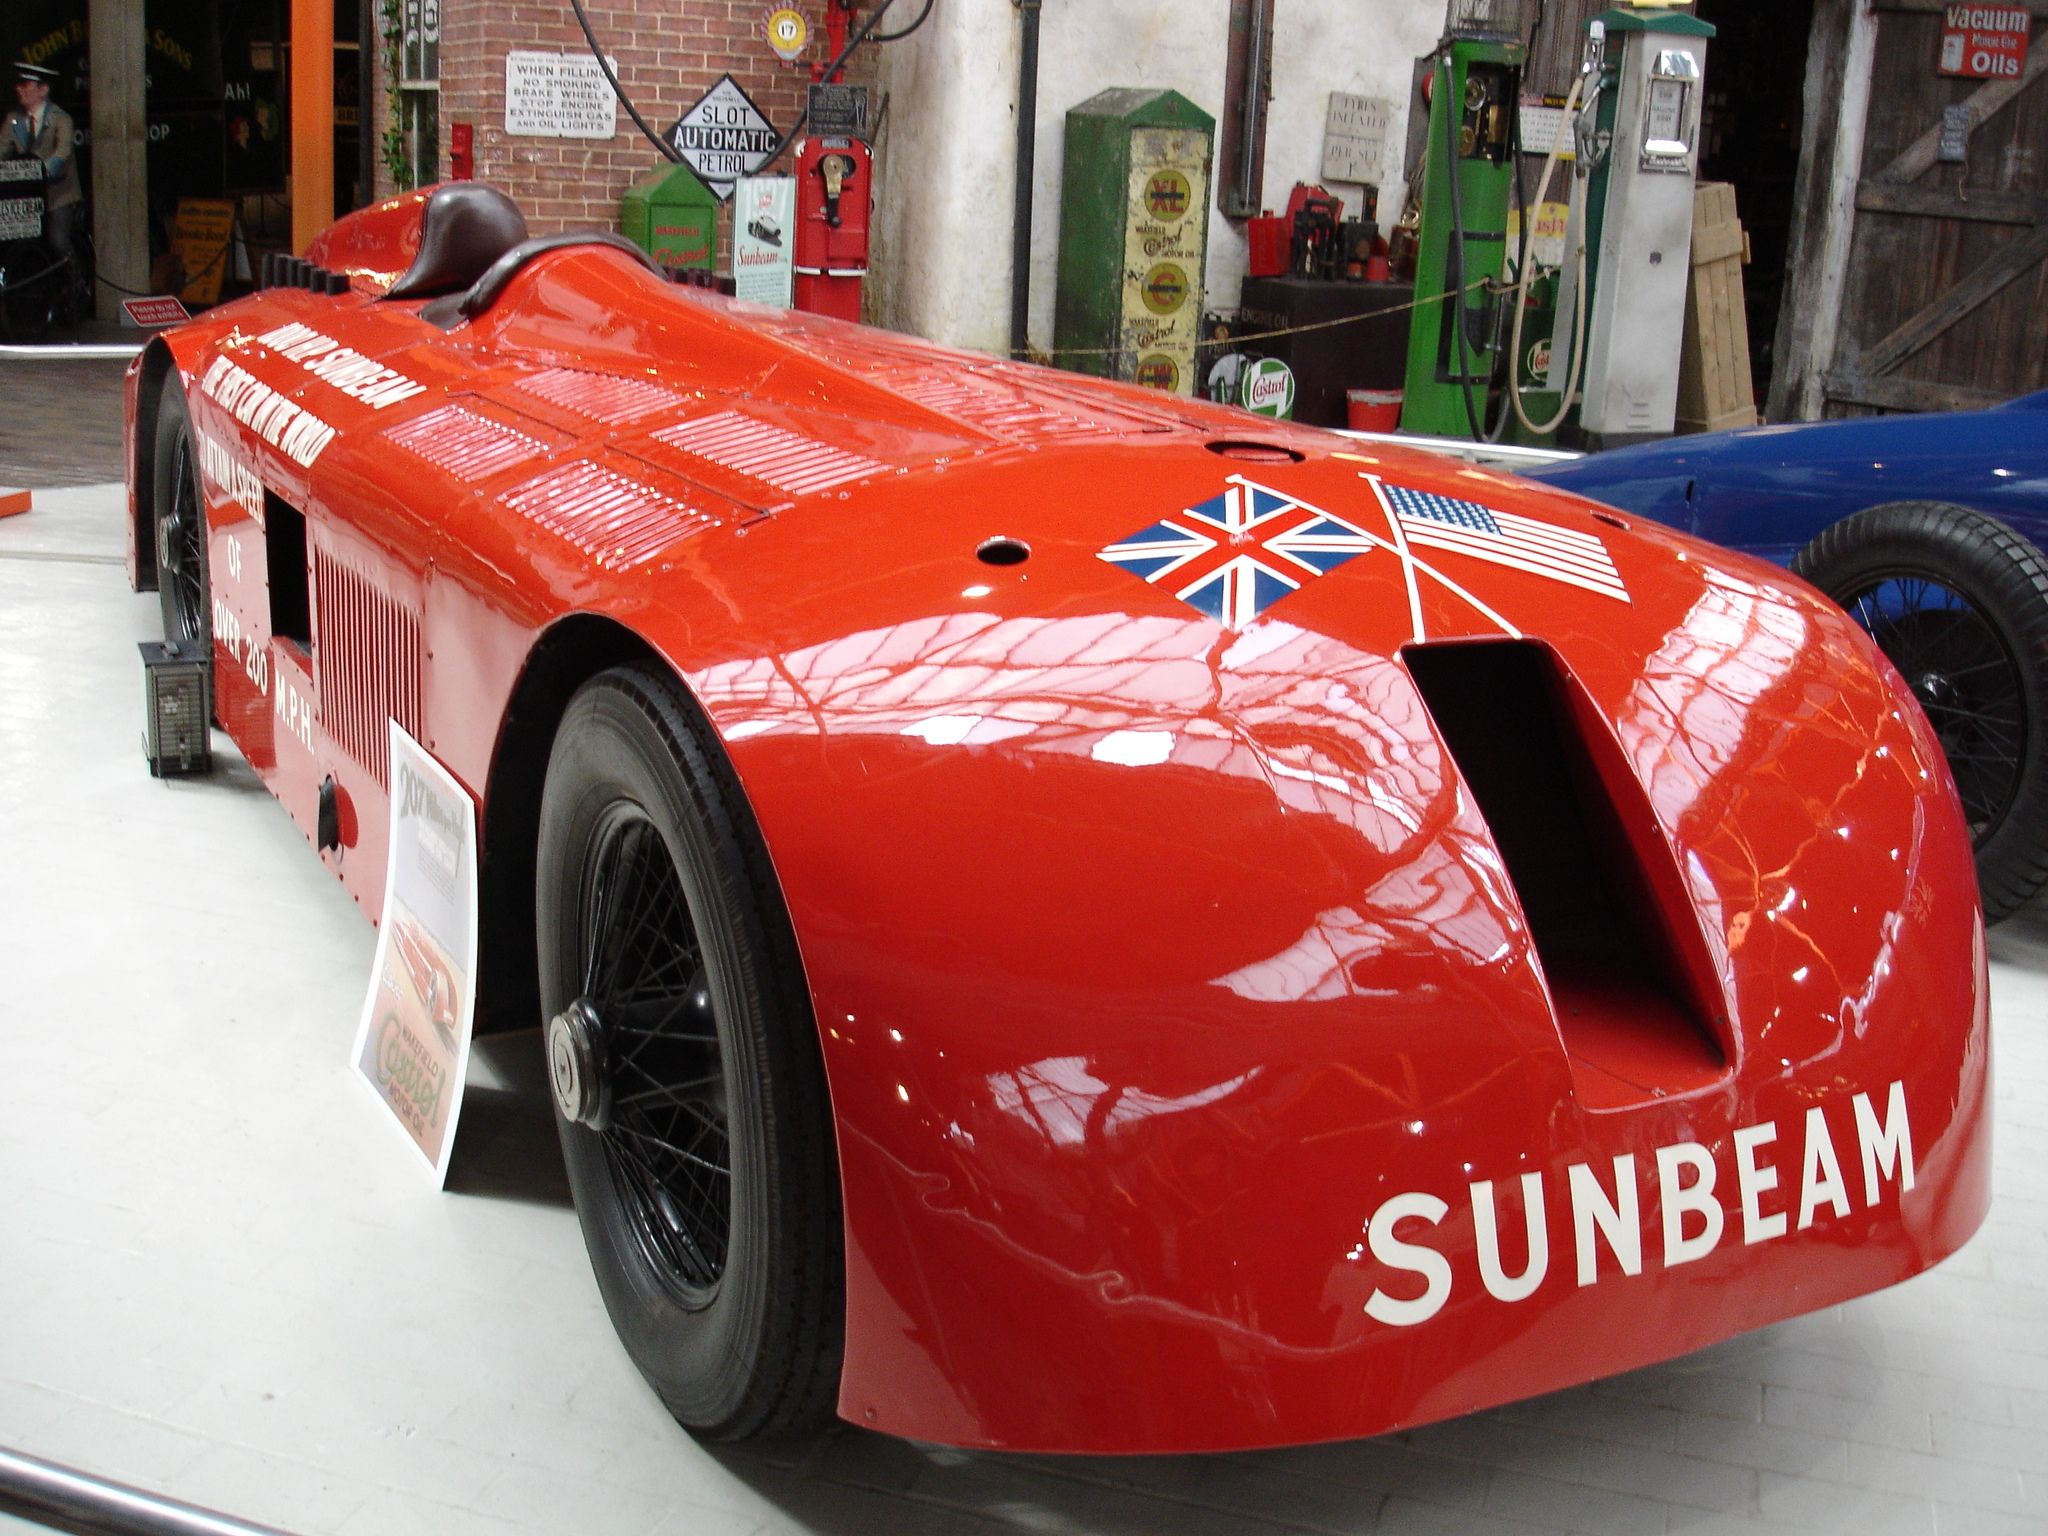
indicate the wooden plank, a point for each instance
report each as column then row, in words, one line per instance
column 1984, row 103
column 1836, row 98
column 1985, row 281
column 1947, row 203
column 1736, row 416
column 1717, row 242
column 1714, row 384
column 1908, row 394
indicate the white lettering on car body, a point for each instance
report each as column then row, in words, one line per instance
column 1692, row 1220
column 230, row 476
column 291, row 429
column 343, row 368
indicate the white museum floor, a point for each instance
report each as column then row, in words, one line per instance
column 223, row 1279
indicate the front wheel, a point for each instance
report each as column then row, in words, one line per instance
column 178, row 524
column 1959, row 603
column 684, row 1064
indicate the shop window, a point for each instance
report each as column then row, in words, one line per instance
column 419, row 88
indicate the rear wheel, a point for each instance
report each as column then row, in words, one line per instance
column 1959, row 603
column 684, row 1064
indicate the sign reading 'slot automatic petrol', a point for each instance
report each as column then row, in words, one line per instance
column 724, row 136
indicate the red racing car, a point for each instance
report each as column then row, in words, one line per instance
column 1063, row 917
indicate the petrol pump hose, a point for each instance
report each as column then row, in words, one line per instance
column 1579, row 294
column 1461, row 354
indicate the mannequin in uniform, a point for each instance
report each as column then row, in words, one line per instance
column 43, row 129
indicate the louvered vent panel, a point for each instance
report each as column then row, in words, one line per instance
column 599, row 396
column 999, row 411
column 368, row 664
column 466, row 445
column 618, row 522
column 774, row 456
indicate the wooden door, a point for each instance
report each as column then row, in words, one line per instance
column 1943, row 280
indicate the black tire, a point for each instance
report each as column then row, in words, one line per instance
column 1959, row 602
column 659, row 916
column 177, row 520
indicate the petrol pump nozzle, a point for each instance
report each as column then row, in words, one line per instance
column 1589, row 148
column 835, row 169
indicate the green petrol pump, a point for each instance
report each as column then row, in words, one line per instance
column 1454, row 336
column 1134, row 236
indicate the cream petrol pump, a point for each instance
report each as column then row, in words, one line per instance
column 1633, row 221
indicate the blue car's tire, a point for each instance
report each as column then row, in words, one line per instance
column 1959, row 603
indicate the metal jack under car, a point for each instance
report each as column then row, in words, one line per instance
column 1066, row 919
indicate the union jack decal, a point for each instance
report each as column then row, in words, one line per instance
column 1237, row 554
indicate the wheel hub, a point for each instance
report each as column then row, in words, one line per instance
column 576, row 1065
column 1934, row 688
column 168, row 528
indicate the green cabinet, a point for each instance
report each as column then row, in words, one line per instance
column 1134, row 237
column 672, row 216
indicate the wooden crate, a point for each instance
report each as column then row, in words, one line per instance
column 1714, row 388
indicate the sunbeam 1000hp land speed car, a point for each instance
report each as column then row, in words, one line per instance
column 1064, row 917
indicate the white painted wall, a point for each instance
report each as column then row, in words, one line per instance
column 948, row 153
column 946, row 161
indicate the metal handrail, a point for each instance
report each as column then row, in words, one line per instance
column 73, row 351
column 1498, row 455
column 35, row 1489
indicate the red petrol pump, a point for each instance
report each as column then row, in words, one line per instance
column 834, row 196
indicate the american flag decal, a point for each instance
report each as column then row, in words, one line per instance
column 1237, row 554
column 1430, row 521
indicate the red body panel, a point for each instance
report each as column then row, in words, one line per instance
column 1182, row 1020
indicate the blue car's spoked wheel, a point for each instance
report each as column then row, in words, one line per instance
column 1959, row 603
column 684, row 1063
column 1965, row 679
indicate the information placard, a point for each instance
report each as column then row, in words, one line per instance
column 21, row 199
column 559, row 96
column 837, row 111
column 412, row 1046
column 155, row 310
column 763, row 244
column 1355, row 138
column 200, row 233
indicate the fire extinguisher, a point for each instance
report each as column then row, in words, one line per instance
column 834, row 195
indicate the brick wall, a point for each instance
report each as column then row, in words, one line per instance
column 668, row 52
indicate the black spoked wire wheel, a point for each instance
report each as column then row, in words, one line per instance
column 1958, row 602
column 666, row 1136
column 178, row 524
column 684, row 1065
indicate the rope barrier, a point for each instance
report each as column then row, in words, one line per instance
column 1493, row 285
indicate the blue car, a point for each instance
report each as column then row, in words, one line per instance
column 1930, row 530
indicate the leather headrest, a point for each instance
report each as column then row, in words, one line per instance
column 450, row 312
column 464, row 227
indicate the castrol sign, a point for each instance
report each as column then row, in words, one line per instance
column 1267, row 388
column 1984, row 42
